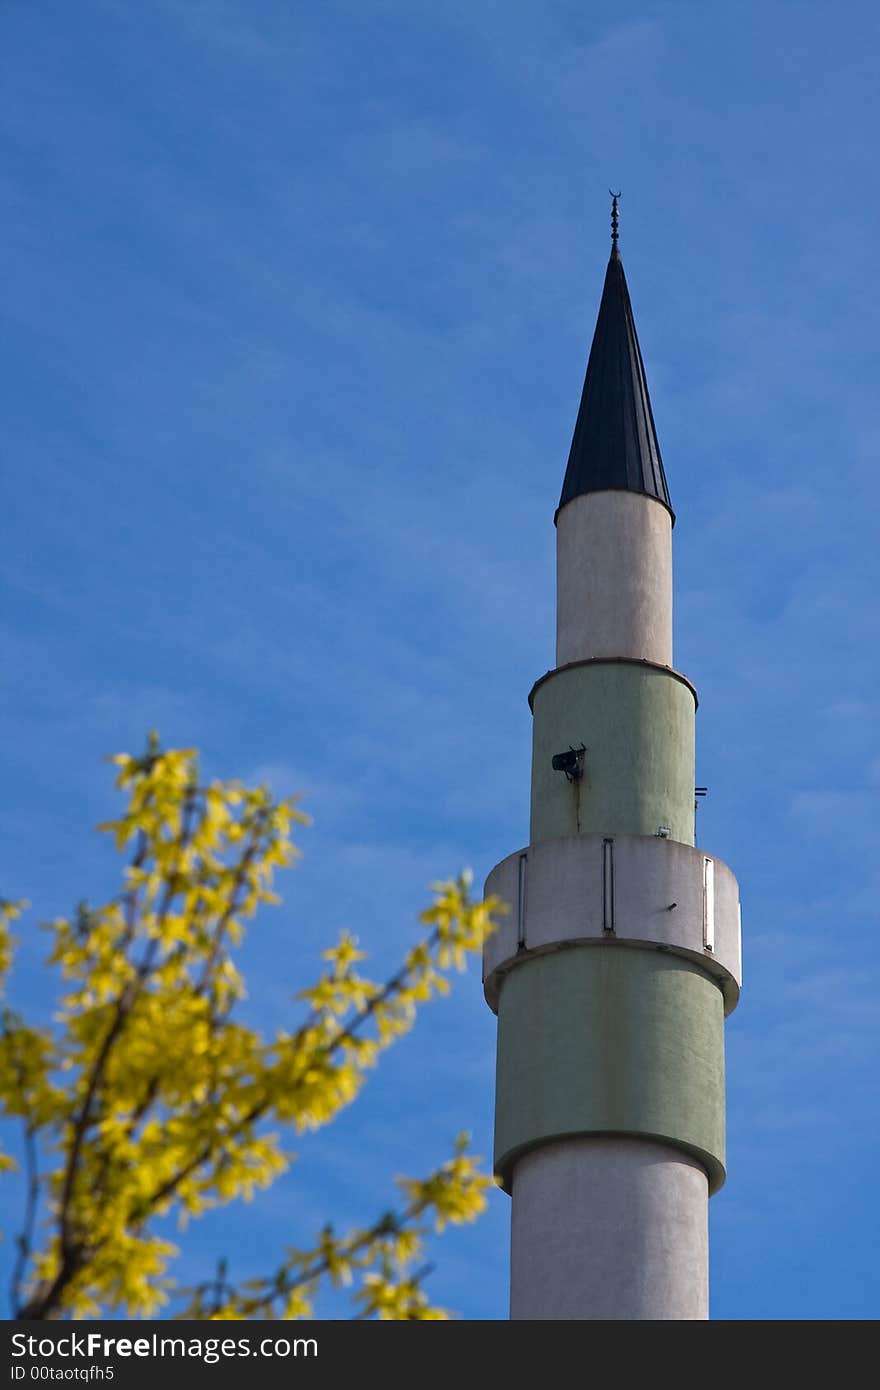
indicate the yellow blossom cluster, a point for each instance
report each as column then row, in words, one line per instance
column 149, row 1096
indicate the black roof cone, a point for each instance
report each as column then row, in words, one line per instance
column 615, row 442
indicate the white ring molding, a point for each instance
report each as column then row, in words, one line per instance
column 586, row 889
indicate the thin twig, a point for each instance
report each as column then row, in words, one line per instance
column 231, row 908
column 24, row 1240
column 287, row 1281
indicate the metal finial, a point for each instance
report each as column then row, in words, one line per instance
column 614, row 218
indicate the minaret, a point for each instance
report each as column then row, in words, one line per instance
column 620, row 956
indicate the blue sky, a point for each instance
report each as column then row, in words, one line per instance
column 295, row 316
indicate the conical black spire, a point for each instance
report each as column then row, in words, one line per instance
column 615, row 442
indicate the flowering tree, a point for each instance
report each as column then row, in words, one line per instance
column 150, row 1097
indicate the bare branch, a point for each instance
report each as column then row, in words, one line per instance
column 24, row 1240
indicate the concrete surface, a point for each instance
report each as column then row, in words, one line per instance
column 558, row 891
column 637, row 725
column 609, row 1229
column 610, row 1039
column 614, row 578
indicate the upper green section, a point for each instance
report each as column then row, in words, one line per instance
column 637, row 724
column 610, row 1039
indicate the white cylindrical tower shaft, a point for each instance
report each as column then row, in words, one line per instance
column 609, row 1229
column 614, row 578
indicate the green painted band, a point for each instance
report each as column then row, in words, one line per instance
column 610, row 1041
column 636, row 723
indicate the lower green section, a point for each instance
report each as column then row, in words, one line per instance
column 609, row 1039
column 636, row 723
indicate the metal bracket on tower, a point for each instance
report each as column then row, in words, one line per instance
column 699, row 793
column 608, row 885
column 521, row 904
